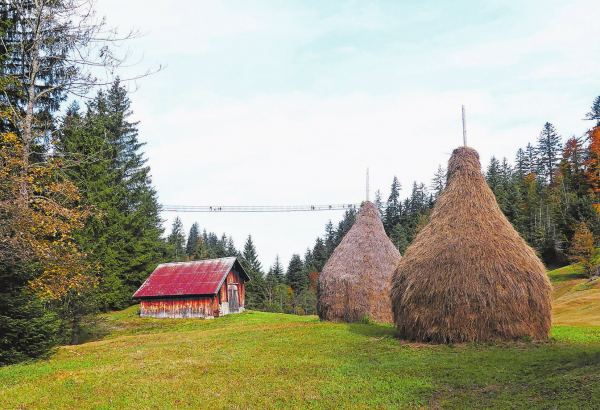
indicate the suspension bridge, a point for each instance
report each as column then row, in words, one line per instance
column 258, row 208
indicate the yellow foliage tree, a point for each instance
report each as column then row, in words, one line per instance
column 39, row 211
column 583, row 251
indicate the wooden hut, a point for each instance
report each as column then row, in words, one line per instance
column 208, row 288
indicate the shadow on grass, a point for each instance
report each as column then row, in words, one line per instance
column 372, row 329
column 567, row 277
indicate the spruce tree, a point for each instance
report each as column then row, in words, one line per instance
column 522, row 166
column 329, row 238
column 344, row 226
column 393, row 207
column 319, row 254
column 176, row 241
column 548, row 151
column 28, row 328
column 192, row 241
column 295, row 277
column 399, row 238
column 111, row 174
column 594, row 114
column 532, row 159
column 230, row 248
column 438, row 183
column 255, row 288
column 379, row 202
column 277, row 270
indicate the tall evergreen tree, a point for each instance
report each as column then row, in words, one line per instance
column 522, row 166
column 379, row 202
column 329, row 238
column 532, row 159
column 594, row 114
column 28, row 328
column 438, row 183
column 399, row 238
column 548, row 151
column 344, row 226
column 393, row 208
column 319, row 254
column 255, row 289
column 110, row 171
column 230, row 249
column 295, row 277
column 177, row 240
column 492, row 175
column 277, row 270
column 192, row 241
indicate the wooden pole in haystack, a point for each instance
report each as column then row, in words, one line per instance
column 367, row 184
column 464, row 127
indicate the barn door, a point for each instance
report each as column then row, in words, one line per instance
column 234, row 300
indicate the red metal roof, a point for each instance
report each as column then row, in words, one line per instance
column 188, row 278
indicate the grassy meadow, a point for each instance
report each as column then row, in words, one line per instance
column 265, row 360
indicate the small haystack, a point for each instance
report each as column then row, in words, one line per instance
column 356, row 280
column 468, row 276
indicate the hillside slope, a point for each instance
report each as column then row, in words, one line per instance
column 576, row 299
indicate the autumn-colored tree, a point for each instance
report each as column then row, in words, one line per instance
column 583, row 251
column 39, row 210
column 572, row 166
column 593, row 165
column 313, row 280
column 423, row 221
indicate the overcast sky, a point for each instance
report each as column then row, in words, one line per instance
column 288, row 102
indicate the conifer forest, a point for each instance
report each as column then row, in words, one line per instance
column 80, row 219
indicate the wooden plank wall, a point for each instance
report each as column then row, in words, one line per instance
column 177, row 307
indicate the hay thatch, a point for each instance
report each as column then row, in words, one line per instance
column 468, row 276
column 356, row 280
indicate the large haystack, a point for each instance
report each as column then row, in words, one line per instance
column 356, row 280
column 468, row 276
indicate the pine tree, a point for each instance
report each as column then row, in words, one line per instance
column 28, row 328
column 548, row 151
column 379, row 202
column 177, row 241
column 532, row 159
column 438, row 183
column 344, row 226
column 110, row 171
column 492, row 174
column 522, row 166
column 572, row 166
column 255, row 288
column 231, row 250
column 295, row 277
column 192, row 241
column 277, row 270
column 201, row 250
column 594, row 114
column 399, row 238
column 329, row 238
column 319, row 254
column 393, row 207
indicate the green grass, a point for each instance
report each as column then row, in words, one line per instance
column 265, row 360
column 576, row 299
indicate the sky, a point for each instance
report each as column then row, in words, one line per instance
column 270, row 102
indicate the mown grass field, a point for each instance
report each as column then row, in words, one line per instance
column 264, row 360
